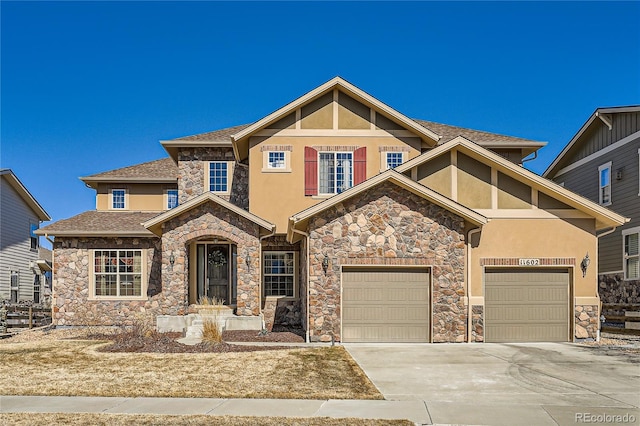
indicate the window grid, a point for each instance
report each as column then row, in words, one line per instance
column 335, row 172
column 632, row 256
column 218, row 176
column 118, row 273
column 118, row 196
column 33, row 238
column 604, row 172
column 394, row 159
column 172, row 198
column 279, row 274
column 276, row 160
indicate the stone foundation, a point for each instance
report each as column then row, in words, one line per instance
column 612, row 288
column 388, row 225
column 587, row 322
column 477, row 323
column 284, row 312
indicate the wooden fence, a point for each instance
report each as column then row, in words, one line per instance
column 14, row 318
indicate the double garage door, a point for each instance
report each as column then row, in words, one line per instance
column 385, row 305
column 526, row 305
column 393, row 305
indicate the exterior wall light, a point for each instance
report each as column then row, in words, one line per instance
column 619, row 174
column 585, row 264
column 172, row 259
column 247, row 259
column 325, row 264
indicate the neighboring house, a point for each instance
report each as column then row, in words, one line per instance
column 22, row 269
column 602, row 163
column 340, row 214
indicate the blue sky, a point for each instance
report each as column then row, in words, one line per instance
column 89, row 87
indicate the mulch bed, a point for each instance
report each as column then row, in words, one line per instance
column 168, row 342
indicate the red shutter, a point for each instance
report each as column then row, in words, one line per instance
column 359, row 165
column 310, row 171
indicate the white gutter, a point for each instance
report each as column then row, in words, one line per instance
column 306, row 234
column 468, row 284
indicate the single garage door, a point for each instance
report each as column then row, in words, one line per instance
column 524, row 305
column 385, row 305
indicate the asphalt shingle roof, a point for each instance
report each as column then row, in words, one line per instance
column 164, row 168
column 222, row 135
column 107, row 222
column 449, row 132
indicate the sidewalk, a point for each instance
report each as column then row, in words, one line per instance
column 414, row 411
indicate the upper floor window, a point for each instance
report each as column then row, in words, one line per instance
column 335, row 172
column 118, row 198
column 631, row 254
column 276, row 160
column 117, row 273
column 604, row 172
column 394, row 159
column 33, row 238
column 219, row 176
column 172, row 198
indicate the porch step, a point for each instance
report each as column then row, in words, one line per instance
column 195, row 329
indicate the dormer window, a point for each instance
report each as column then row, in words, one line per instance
column 118, row 198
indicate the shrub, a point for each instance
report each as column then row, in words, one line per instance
column 210, row 331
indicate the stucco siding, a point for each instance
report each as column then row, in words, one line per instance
column 15, row 247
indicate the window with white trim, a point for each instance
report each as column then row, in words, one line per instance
column 279, row 273
column 218, row 176
column 604, row 179
column 335, row 172
column 117, row 273
column 394, row 159
column 172, row 198
column 33, row 238
column 631, row 253
column 276, row 160
column 118, row 197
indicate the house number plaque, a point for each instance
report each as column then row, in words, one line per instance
column 529, row 262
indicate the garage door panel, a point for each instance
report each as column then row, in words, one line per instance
column 385, row 305
column 526, row 305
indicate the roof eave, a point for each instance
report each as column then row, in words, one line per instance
column 79, row 233
column 25, row 195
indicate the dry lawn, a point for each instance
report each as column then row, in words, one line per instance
column 76, row 368
column 25, row 419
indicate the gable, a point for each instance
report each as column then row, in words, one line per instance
column 485, row 182
column 336, row 108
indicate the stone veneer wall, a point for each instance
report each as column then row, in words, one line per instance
column 73, row 264
column 192, row 170
column 388, row 225
column 612, row 288
column 282, row 311
column 212, row 220
column 587, row 322
column 477, row 323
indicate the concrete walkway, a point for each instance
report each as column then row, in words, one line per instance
column 410, row 410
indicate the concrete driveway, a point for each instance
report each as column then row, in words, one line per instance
column 507, row 384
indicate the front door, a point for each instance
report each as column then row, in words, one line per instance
column 218, row 273
column 215, row 278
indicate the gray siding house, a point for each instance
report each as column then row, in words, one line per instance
column 22, row 266
column 602, row 163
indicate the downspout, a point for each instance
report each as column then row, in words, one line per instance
column 273, row 232
column 605, row 233
column 535, row 155
column 468, row 289
column 306, row 235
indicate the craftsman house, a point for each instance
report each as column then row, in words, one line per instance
column 23, row 263
column 339, row 214
column 602, row 163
